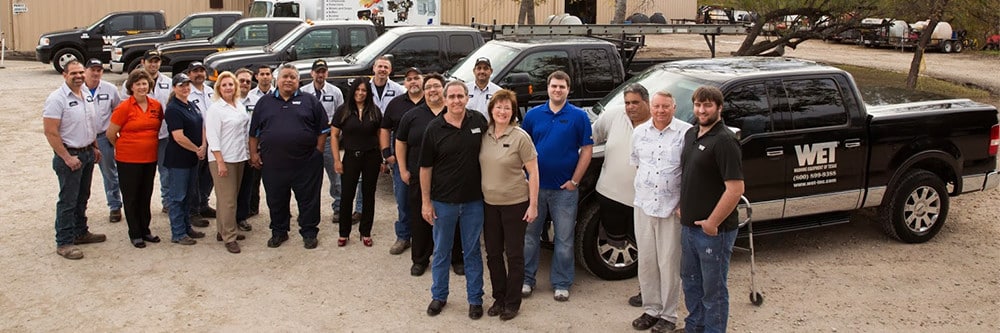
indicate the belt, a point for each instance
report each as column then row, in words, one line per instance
column 72, row 150
column 358, row 153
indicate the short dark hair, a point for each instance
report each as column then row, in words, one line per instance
column 707, row 94
column 243, row 70
column 638, row 89
column 560, row 75
column 503, row 95
column 134, row 76
column 435, row 76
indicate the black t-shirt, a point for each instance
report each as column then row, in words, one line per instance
column 706, row 163
column 182, row 116
column 287, row 130
column 453, row 153
column 357, row 133
column 411, row 131
column 396, row 109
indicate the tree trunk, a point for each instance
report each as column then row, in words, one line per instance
column 527, row 13
column 619, row 17
column 925, row 37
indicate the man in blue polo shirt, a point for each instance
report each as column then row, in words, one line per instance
column 289, row 127
column 562, row 136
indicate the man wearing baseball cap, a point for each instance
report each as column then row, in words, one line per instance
column 201, row 99
column 103, row 97
column 482, row 89
column 413, row 83
column 331, row 98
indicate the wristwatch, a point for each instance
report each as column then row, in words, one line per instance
column 575, row 184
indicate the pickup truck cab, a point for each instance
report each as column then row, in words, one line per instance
column 814, row 153
column 127, row 51
column 248, row 32
column 307, row 41
column 595, row 67
column 95, row 40
column 429, row 48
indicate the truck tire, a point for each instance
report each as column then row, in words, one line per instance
column 917, row 208
column 946, row 46
column 133, row 64
column 596, row 255
column 957, row 46
column 63, row 55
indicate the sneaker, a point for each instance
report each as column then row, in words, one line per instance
column 186, row 240
column 276, row 241
column 435, row 307
column 458, row 268
column 198, row 221
column 561, row 295
column 526, row 291
column 664, row 326
column 207, row 211
column 636, row 300
column 418, row 269
column 644, row 322
column 475, row 311
column 310, row 243
column 89, row 238
column 196, row 234
column 244, row 225
column 69, row 252
column 115, row 216
column 399, row 246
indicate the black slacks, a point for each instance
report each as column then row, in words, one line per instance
column 503, row 231
column 616, row 218
column 421, row 232
column 136, row 183
column 366, row 165
column 306, row 180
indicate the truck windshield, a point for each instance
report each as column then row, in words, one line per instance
column 95, row 24
column 260, row 9
column 655, row 79
column 499, row 55
column 373, row 50
column 221, row 37
column 287, row 39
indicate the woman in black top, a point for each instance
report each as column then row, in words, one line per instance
column 185, row 147
column 355, row 128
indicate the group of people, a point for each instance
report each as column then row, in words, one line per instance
column 463, row 169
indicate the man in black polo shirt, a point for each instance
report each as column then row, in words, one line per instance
column 711, row 186
column 452, row 195
column 413, row 82
column 289, row 127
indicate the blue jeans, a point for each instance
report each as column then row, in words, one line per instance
column 74, row 192
column 177, row 200
column 400, row 190
column 109, row 171
column 161, row 153
column 469, row 216
column 704, row 269
column 335, row 182
column 561, row 205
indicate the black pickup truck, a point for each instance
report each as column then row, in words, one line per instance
column 308, row 41
column 95, row 40
column 595, row 67
column 248, row 32
column 126, row 52
column 814, row 153
column 430, row 48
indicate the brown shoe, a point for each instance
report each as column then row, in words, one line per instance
column 355, row 218
column 185, row 241
column 233, row 247
column 69, row 252
column 218, row 237
column 196, row 234
column 89, row 237
column 115, row 216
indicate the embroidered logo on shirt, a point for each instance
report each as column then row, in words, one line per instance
column 73, row 103
column 700, row 147
column 476, row 130
column 90, row 99
column 328, row 98
column 390, row 93
column 102, row 97
column 296, row 102
column 164, row 86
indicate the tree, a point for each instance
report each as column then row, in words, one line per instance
column 936, row 13
column 785, row 23
column 619, row 16
column 526, row 15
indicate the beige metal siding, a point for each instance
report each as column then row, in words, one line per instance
column 671, row 9
column 22, row 30
column 485, row 11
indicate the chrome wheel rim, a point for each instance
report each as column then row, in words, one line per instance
column 922, row 209
column 614, row 256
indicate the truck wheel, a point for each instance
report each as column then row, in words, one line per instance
column 917, row 208
column 957, row 47
column 597, row 256
column 63, row 55
column 133, row 64
column 946, row 46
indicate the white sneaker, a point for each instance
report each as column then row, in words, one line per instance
column 526, row 291
column 561, row 295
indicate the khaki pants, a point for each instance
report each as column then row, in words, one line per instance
column 659, row 242
column 226, row 191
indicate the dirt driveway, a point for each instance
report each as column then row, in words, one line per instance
column 848, row 278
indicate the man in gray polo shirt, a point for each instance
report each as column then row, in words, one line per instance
column 103, row 96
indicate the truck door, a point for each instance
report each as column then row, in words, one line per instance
column 100, row 39
column 538, row 66
column 748, row 107
column 420, row 51
column 823, row 147
column 597, row 79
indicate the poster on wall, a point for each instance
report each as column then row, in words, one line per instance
column 394, row 12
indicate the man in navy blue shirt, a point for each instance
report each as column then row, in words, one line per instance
column 562, row 136
column 289, row 128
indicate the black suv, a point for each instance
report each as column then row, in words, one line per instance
column 95, row 40
column 248, row 32
column 127, row 51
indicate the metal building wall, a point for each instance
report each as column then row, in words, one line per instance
column 22, row 30
column 671, row 9
column 461, row 12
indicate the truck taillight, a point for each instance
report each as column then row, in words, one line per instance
column 994, row 139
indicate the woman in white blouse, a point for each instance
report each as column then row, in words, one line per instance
column 226, row 128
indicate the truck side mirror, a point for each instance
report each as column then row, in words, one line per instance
column 230, row 42
column 291, row 54
column 102, row 28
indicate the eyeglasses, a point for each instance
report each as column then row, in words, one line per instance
column 433, row 86
column 245, row 81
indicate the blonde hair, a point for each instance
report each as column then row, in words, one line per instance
column 218, row 85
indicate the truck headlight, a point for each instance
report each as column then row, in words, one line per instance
column 116, row 54
column 44, row 41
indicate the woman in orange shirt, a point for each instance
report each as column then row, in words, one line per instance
column 134, row 130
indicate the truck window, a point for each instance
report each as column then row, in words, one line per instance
column 148, row 22
column 318, row 44
column 815, row 103
column 417, row 51
column 119, row 24
column 539, row 65
column 747, row 108
column 359, row 38
column 594, row 75
column 251, row 35
column 200, row 27
column 460, row 46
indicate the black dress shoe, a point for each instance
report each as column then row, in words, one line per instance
column 310, row 243
column 508, row 314
column 276, row 241
column 435, row 307
column 138, row 243
column 458, row 268
column 418, row 269
column 636, row 300
column 151, row 238
column 244, row 225
column 475, row 311
column 207, row 211
column 495, row 310
column 253, row 212
column 644, row 322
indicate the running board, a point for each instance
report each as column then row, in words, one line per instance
column 793, row 224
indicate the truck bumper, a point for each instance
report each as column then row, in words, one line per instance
column 43, row 55
column 992, row 180
column 981, row 182
column 117, row 67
